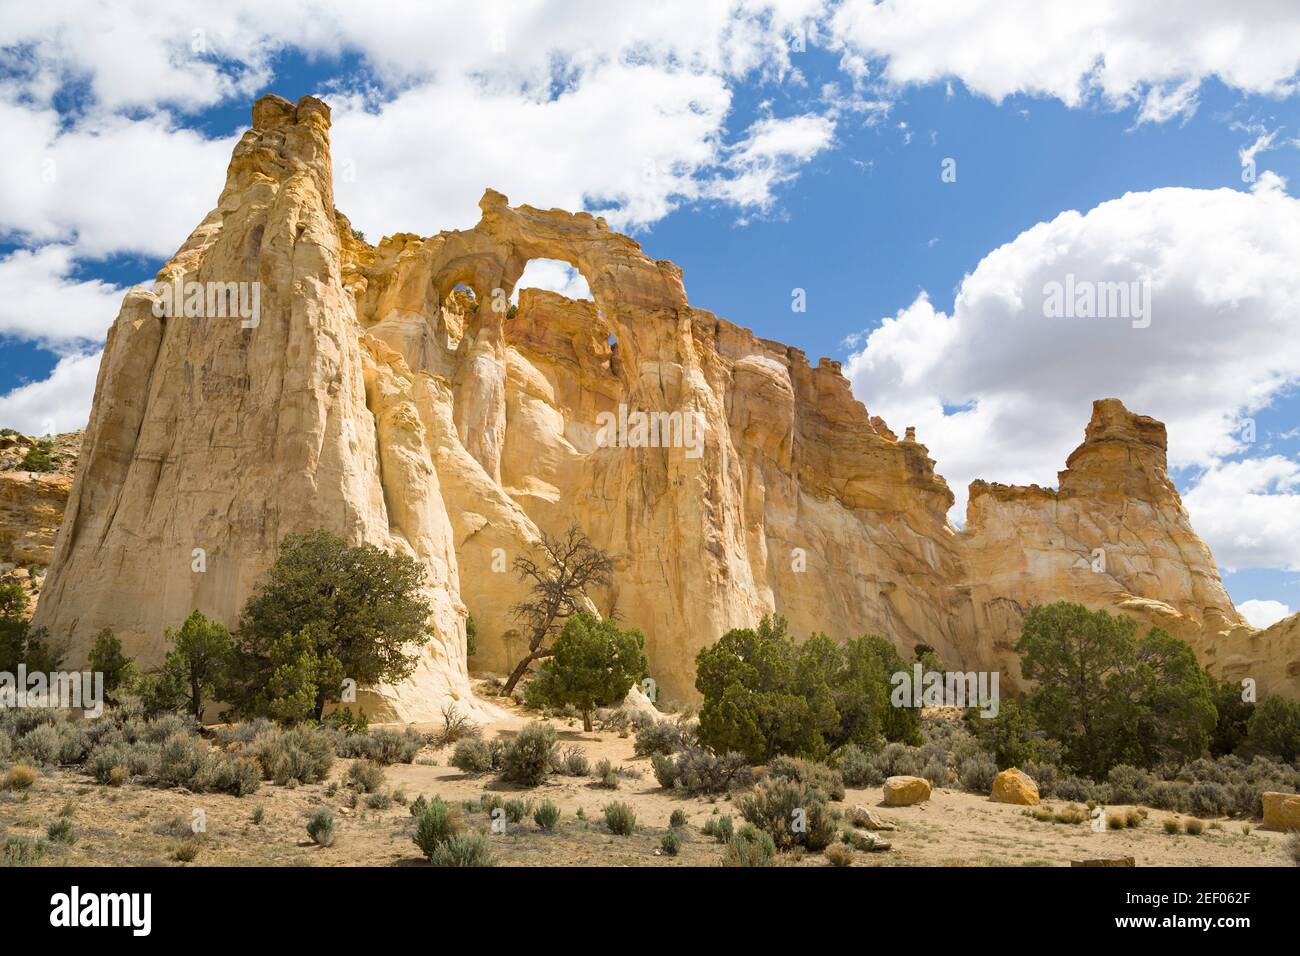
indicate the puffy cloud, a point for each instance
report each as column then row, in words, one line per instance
column 41, row 301
column 1248, row 511
column 109, row 185
column 1263, row 613
column 1153, row 55
column 60, row 403
column 999, row 390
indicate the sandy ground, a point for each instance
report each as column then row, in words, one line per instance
column 138, row 825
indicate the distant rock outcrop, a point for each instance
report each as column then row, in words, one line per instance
column 390, row 394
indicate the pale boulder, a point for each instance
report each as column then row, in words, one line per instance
column 1014, row 786
column 905, row 791
column 1281, row 811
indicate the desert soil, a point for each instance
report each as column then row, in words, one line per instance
column 138, row 825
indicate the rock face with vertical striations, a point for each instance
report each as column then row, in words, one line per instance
column 387, row 393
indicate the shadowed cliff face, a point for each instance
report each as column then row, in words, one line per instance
column 373, row 398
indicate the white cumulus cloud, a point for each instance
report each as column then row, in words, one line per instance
column 1263, row 613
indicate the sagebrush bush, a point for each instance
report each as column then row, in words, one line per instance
column 1209, row 799
column 21, row 851
column 40, row 745
column 181, row 759
column 390, row 747
column 436, row 824
column 670, row 843
column 1130, row 784
column 719, row 827
column 321, row 826
column 977, row 773
column 365, row 776
column 463, row 850
column 750, row 846
column 515, row 810
column 1193, row 827
column 60, row 831
column 187, row 851
column 678, row 818
column 473, row 756
column 793, row 813
column 857, row 767
column 304, row 754
column 1072, row 788
column 620, row 818
column 661, row 737
column 696, row 770
column 837, row 854
column 227, row 773
column 1171, row 825
column 571, row 761
column 824, row 778
column 546, row 815
column 527, row 758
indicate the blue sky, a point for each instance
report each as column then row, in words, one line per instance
column 764, row 147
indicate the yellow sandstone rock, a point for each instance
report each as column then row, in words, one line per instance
column 1014, row 786
column 905, row 791
column 1281, row 811
column 375, row 397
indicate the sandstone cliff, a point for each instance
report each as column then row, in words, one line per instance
column 375, row 396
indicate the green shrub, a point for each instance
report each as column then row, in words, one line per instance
column 678, row 818
column 824, row 778
column 472, row 756
column 764, row 694
column 259, row 814
column 226, row 773
column 858, row 768
column 546, row 815
column 462, row 850
column 793, row 813
column 606, row 775
column 1193, row 826
column 527, row 758
column 40, row 745
column 60, row 831
column 661, row 737
column 593, row 663
column 620, row 818
column 1171, row 825
column 390, row 747
column 571, row 761
column 436, row 824
column 1274, row 728
column 1209, row 799
column 304, row 754
column 719, row 827
column 1130, row 784
column 21, row 851
column 977, row 773
column 365, row 776
column 515, row 809
column 180, row 761
column 670, row 843
column 696, row 770
column 321, row 826
column 382, row 800
column 750, row 846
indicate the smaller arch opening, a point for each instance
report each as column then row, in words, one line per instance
column 458, row 308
